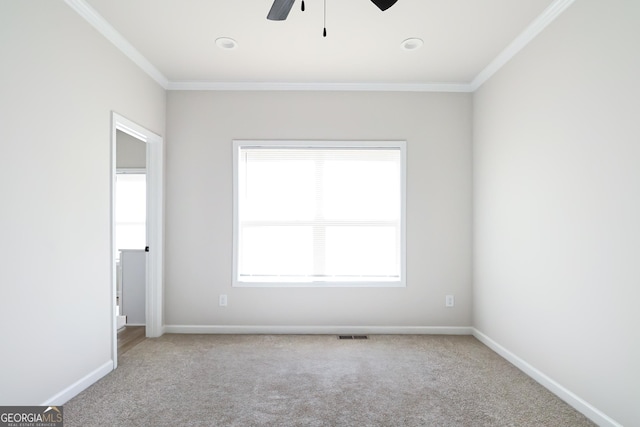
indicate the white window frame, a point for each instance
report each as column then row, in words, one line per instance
column 130, row 171
column 401, row 145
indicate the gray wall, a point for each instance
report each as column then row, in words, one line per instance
column 130, row 152
column 557, row 205
column 59, row 82
column 200, row 128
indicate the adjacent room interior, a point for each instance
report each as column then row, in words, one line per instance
column 522, row 180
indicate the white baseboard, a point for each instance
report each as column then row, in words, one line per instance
column 318, row 330
column 572, row 399
column 82, row 384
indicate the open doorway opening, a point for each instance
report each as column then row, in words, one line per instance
column 130, row 198
column 137, row 237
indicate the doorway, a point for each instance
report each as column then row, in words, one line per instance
column 131, row 231
column 153, row 270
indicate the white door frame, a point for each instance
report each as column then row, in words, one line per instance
column 155, row 221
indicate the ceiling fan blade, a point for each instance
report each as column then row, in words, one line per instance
column 384, row 4
column 280, row 10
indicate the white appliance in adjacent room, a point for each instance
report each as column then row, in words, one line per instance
column 132, row 298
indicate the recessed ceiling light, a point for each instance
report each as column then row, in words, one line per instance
column 226, row 43
column 411, row 44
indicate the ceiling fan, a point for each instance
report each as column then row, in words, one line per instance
column 280, row 8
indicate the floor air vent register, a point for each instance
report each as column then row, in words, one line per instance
column 352, row 337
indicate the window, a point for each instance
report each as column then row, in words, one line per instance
column 319, row 213
column 130, row 211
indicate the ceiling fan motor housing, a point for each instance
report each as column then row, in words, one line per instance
column 384, row 4
column 280, row 8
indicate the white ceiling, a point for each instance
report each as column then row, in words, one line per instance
column 174, row 40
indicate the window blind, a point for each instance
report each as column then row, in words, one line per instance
column 319, row 214
column 130, row 211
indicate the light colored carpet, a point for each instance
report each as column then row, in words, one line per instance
column 289, row 380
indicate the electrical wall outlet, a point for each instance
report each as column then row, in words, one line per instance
column 449, row 301
column 223, row 300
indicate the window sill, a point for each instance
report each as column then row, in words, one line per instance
column 367, row 284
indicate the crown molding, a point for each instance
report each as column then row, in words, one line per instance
column 529, row 33
column 111, row 34
column 353, row 87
